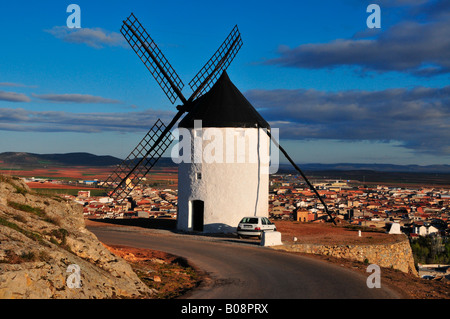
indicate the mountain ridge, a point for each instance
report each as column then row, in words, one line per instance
column 409, row 168
column 89, row 159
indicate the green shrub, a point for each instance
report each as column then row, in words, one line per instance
column 34, row 210
column 29, row 234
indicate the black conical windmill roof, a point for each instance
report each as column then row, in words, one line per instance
column 223, row 106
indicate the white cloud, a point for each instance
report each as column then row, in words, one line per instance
column 93, row 37
column 417, row 46
column 13, row 97
column 59, row 121
column 11, row 84
column 419, row 118
column 74, row 98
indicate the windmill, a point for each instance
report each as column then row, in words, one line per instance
column 149, row 150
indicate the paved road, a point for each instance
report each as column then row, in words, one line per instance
column 244, row 270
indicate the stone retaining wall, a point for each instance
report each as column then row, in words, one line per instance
column 395, row 255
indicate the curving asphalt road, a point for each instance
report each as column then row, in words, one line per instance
column 244, row 270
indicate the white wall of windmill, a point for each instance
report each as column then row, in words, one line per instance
column 229, row 173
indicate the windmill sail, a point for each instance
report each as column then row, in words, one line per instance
column 215, row 66
column 303, row 175
column 131, row 171
column 140, row 161
column 153, row 58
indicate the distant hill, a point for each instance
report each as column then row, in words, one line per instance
column 376, row 173
column 371, row 167
column 69, row 159
column 87, row 159
column 19, row 159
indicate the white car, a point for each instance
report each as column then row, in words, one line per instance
column 254, row 226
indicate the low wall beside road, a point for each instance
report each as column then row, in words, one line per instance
column 393, row 255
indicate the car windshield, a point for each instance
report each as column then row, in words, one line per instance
column 249, row 220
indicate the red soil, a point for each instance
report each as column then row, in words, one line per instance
column 55, row 186
column 329, row 234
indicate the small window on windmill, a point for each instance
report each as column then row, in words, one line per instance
column 198, row 176
column 198, row 133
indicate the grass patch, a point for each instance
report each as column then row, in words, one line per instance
column 61, row 235
column 12, row 258
column 59, row 238
column 29, row 234
column 20, row 190
column 39, row 212
column 26, row 208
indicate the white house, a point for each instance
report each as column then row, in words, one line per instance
column 425, row 230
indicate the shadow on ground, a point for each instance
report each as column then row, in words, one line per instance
column 153, row 223
column 171, row 225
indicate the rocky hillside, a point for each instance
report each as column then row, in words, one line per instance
column 46, row 251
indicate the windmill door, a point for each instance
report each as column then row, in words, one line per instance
column 197, row 215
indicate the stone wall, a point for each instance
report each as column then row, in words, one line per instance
column 395, row 255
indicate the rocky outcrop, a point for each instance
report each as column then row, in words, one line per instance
column 46, row 251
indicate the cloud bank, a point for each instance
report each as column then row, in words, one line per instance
column 74, row 98
column 94, row 37
column 13, row 97
column 22, row 120
column 419, row 118
column 11, row 84
column 413, row 47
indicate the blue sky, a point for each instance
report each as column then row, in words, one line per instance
column 337, row 90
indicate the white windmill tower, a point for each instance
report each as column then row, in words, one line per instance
column 226, row 174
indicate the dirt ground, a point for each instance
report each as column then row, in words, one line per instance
column 182, row 278
column 325, row 233
column 170, row 276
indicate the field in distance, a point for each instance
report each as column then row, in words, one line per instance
column 77, row 167
column 86, row 166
